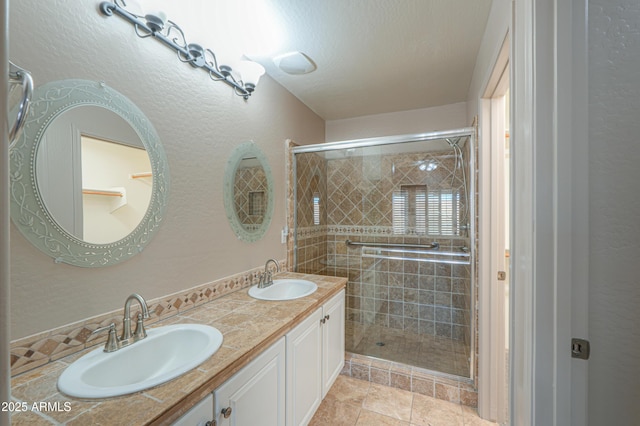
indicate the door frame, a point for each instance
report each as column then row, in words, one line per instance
column 492, row 369
column 5, row 320
column 549, row 293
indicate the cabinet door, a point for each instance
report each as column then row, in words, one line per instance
column 256, row 394
column 199, row 415
column 304, row 370
column 332, row 341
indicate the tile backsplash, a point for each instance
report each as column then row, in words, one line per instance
column 39, row 349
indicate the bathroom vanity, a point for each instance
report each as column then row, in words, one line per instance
column 286, row 383
column 276, row 363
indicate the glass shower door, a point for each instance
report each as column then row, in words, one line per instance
column 394, row 220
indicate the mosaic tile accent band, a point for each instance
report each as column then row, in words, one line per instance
column 40, row 349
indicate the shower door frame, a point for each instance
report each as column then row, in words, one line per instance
column 400, row 139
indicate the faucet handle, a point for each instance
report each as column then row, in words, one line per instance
column 140, row 332
column 112, row 340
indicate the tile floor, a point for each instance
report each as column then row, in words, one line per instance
column 353, row 402
column 424, row 351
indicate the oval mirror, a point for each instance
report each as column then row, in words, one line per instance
column 248, row 192
column 89, row 175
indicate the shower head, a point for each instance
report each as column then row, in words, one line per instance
column 453, row 144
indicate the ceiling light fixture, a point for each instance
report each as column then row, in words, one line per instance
column 428, row 166
column 295, row 63
column 157, row 25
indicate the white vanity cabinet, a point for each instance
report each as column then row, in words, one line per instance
column 200, row 415
column 287, row 382
column 332, row 341
column 304, row 369
column 256, row 394
column 315, row 357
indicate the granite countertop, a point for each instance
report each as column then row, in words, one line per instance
column 248, row 326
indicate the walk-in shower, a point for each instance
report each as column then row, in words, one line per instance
column 396, row 217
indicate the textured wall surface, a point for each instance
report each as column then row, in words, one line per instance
column 446, row 117
column 199, row 123
column 614, row 155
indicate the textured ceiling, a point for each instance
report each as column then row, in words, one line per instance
column 373, row 56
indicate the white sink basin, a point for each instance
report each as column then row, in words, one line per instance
column 166, row 353
column 286, row 289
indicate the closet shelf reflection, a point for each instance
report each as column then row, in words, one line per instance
column 118, row 193
column 107, row 192
column 140, row 175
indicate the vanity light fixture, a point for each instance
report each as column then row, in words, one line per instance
column 157, row 25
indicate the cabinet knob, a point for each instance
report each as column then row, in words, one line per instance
column 327, row 317
column 226, row 412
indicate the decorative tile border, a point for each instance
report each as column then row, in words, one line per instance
column 40, row 349
column 402, row 376
column 311, row 231
column 386, row 231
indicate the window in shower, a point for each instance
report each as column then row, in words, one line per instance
column 400, row 203
column 316, row 208
column 409, row 209
column 433, row 212
column 443, row 208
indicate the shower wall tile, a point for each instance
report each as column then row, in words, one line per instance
column 401, row 294
column 250, row 189
column 360, row 189
column 311, row 216
column 424, row 298
column 360, row 193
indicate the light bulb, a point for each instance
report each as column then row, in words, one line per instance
column 156, row 20
column 250, row 72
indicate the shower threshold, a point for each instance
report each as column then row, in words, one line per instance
column 434, row 353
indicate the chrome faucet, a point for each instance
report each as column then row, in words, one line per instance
column 266, row 278
column 113, row 342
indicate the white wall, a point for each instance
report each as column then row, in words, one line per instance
column 446, row 117
column 614, row 209
column 199, row 123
